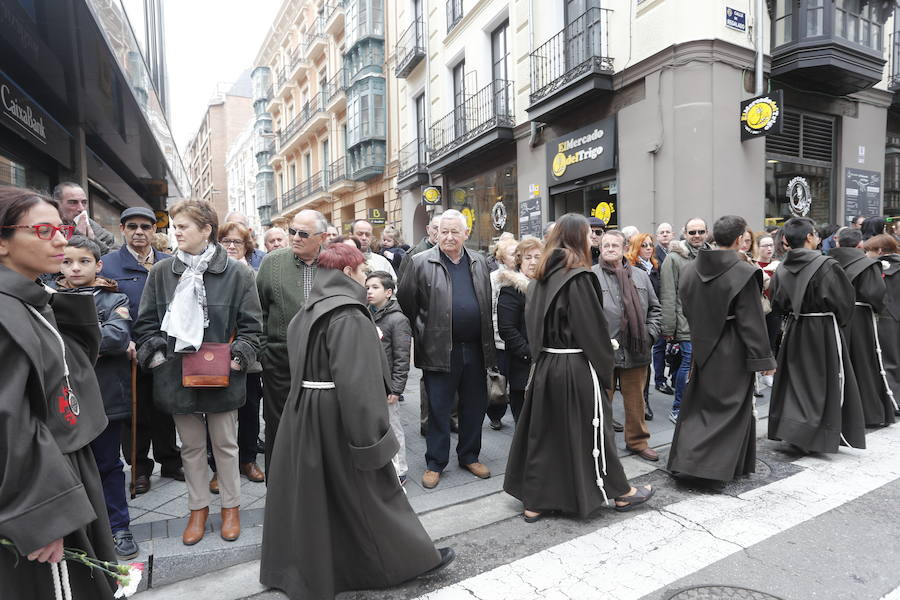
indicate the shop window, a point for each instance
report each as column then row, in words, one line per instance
column 476, row 199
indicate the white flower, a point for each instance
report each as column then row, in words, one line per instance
column 128, row 585
column 615, row 344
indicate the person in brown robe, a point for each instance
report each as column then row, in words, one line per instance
column 336, row 517
column 50, row 491
column 563, row 455
column 886, row 250
column 865, row 275
column 715, row 437
column 815, row 403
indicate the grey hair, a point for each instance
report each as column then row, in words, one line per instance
column 271, row 230
column 321, row 221
column 455, row 214
column 615, row 233
column 664, row 224
column 244, row 220
column 62, row 187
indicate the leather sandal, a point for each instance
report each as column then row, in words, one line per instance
column 640, row 495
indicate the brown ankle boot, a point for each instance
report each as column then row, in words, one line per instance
column 196, row 527
column 231, row 523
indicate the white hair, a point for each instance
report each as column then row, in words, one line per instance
column 661, row 225
column 273, row 230
column 629, row 230
column 321, row 221
column 455, row 214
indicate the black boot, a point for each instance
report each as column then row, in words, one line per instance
column 648, row 412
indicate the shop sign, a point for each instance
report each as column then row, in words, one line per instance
column 469, row 214
column 376, row 216
column 761, row 116
column 862, row 193
column 583, row 152
column 735, row 19
column 25, row 117
column 534, row 191
column 605, row 210
column 498, row 216
column 799, row 196
column 431, row 196
column 162, row 219
column 530, row 218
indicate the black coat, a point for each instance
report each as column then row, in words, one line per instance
column 426, row 297
column 49, row 485
column 336, row 516
column 233, row 307
column 396, row 339
column 715, row 437
column 511, row 326
column 889, row 324
column 550, row 463
column 809, row 407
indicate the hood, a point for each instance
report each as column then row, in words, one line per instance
column 331, row 283
column 710, row 264
column 890, row 264
column 685, row 250
column 391, row 307
column 795, row 260
column 846, row 256
column 510, row 278
column 100, row 283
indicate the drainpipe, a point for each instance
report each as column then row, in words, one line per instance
column 532, row 137
column 760, row 52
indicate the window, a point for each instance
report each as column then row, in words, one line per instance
column 454, row 13
column 783, row 22
column 857, row 22
column 421, row 126
column 500, row 53
column 307, row 163
column 293, row 176
column 815, row 18
column 459, row 98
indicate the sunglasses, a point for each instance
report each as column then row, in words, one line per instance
column 697, row 232
column 46, row 232
column 142, row 226
column 597, row 231
column 303, row 234
column 646, row 245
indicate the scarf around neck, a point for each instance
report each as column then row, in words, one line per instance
column 187, row 317
column 634, row 331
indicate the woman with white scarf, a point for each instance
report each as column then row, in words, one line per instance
column 200, row 296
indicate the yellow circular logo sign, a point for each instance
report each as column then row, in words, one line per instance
column 469, row 215
column 604, row 210
column 760, row 115
column 432, row 195
column 559, row 164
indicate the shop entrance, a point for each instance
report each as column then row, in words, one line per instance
column 595, row 200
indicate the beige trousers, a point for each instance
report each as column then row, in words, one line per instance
column 223, row 434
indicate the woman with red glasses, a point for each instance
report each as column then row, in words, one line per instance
column 50, row 410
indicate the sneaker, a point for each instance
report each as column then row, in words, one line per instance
column 673, row 416
column 125, row 545
column 402, row 480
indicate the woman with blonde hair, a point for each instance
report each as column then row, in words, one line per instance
column 642, row 253
column 505, row 255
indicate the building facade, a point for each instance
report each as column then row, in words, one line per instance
column 242, row 171
column 329, row 113
column 225, row 119
column 79, row 103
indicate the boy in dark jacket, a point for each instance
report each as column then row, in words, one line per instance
column 79, row 276
column 396, row 338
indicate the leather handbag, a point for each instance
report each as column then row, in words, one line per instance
column 496, row 384
column 208, row 367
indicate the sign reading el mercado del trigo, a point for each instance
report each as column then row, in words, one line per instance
column 583, row 152
column 762, row 115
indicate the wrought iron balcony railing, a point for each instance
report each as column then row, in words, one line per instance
column 488, row 108
column 316, row 34
column 315, row 105
column 302, row 191
column 337, row 171
column 454, row 13
column 410, row 48
column 581, row 48
column 412, row 159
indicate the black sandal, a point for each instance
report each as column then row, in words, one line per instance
column 532, row 519
column 641, row 495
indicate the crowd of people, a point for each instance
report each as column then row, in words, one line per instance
column 321, row 330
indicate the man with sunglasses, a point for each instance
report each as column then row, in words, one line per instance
column 284, row 281
column 129, row 266
column 675, row 325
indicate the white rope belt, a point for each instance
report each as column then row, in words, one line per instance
column 62, row 590
column 596, row 422
column 731, row 317
column 887, row 386
column 318, row 385
column 839, row 343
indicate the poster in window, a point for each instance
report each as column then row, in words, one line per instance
column 862, row 193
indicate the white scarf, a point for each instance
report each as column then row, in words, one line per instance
column 186, row 317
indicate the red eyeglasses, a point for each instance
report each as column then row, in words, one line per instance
column 45, row 231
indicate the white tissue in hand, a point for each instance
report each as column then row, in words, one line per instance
column 615, row 344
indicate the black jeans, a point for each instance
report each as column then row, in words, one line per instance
column 467, row 377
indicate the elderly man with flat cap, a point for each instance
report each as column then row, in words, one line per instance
column 129, row 266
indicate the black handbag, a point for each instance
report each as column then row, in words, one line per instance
column 496, row 385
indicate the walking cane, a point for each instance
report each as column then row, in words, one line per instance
column 133, row 426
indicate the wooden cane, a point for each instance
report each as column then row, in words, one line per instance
column 133, row 426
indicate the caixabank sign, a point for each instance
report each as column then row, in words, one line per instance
column 583, row 152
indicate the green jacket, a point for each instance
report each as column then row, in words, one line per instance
column 232, row 307
column 674, row 323
column 281, row 296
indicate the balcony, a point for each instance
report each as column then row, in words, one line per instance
column 315, row 41
column 828, row 46
column 297, row 60
column 454, row 13
column 410, row 49
column 334, row 17
column 413, row 170
column 366, row 160
column 310, row 117
column 483, row 121
column 303, row 195
column 572, row 67
column 336, row 93
column 338, row 180
column 894, row 66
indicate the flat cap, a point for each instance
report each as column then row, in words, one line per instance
column 137, row 211
column 596, row 222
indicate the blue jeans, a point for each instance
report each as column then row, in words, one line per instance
column 659, row 361
column 106, row 454
column 467, row 379
column 681, row 378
